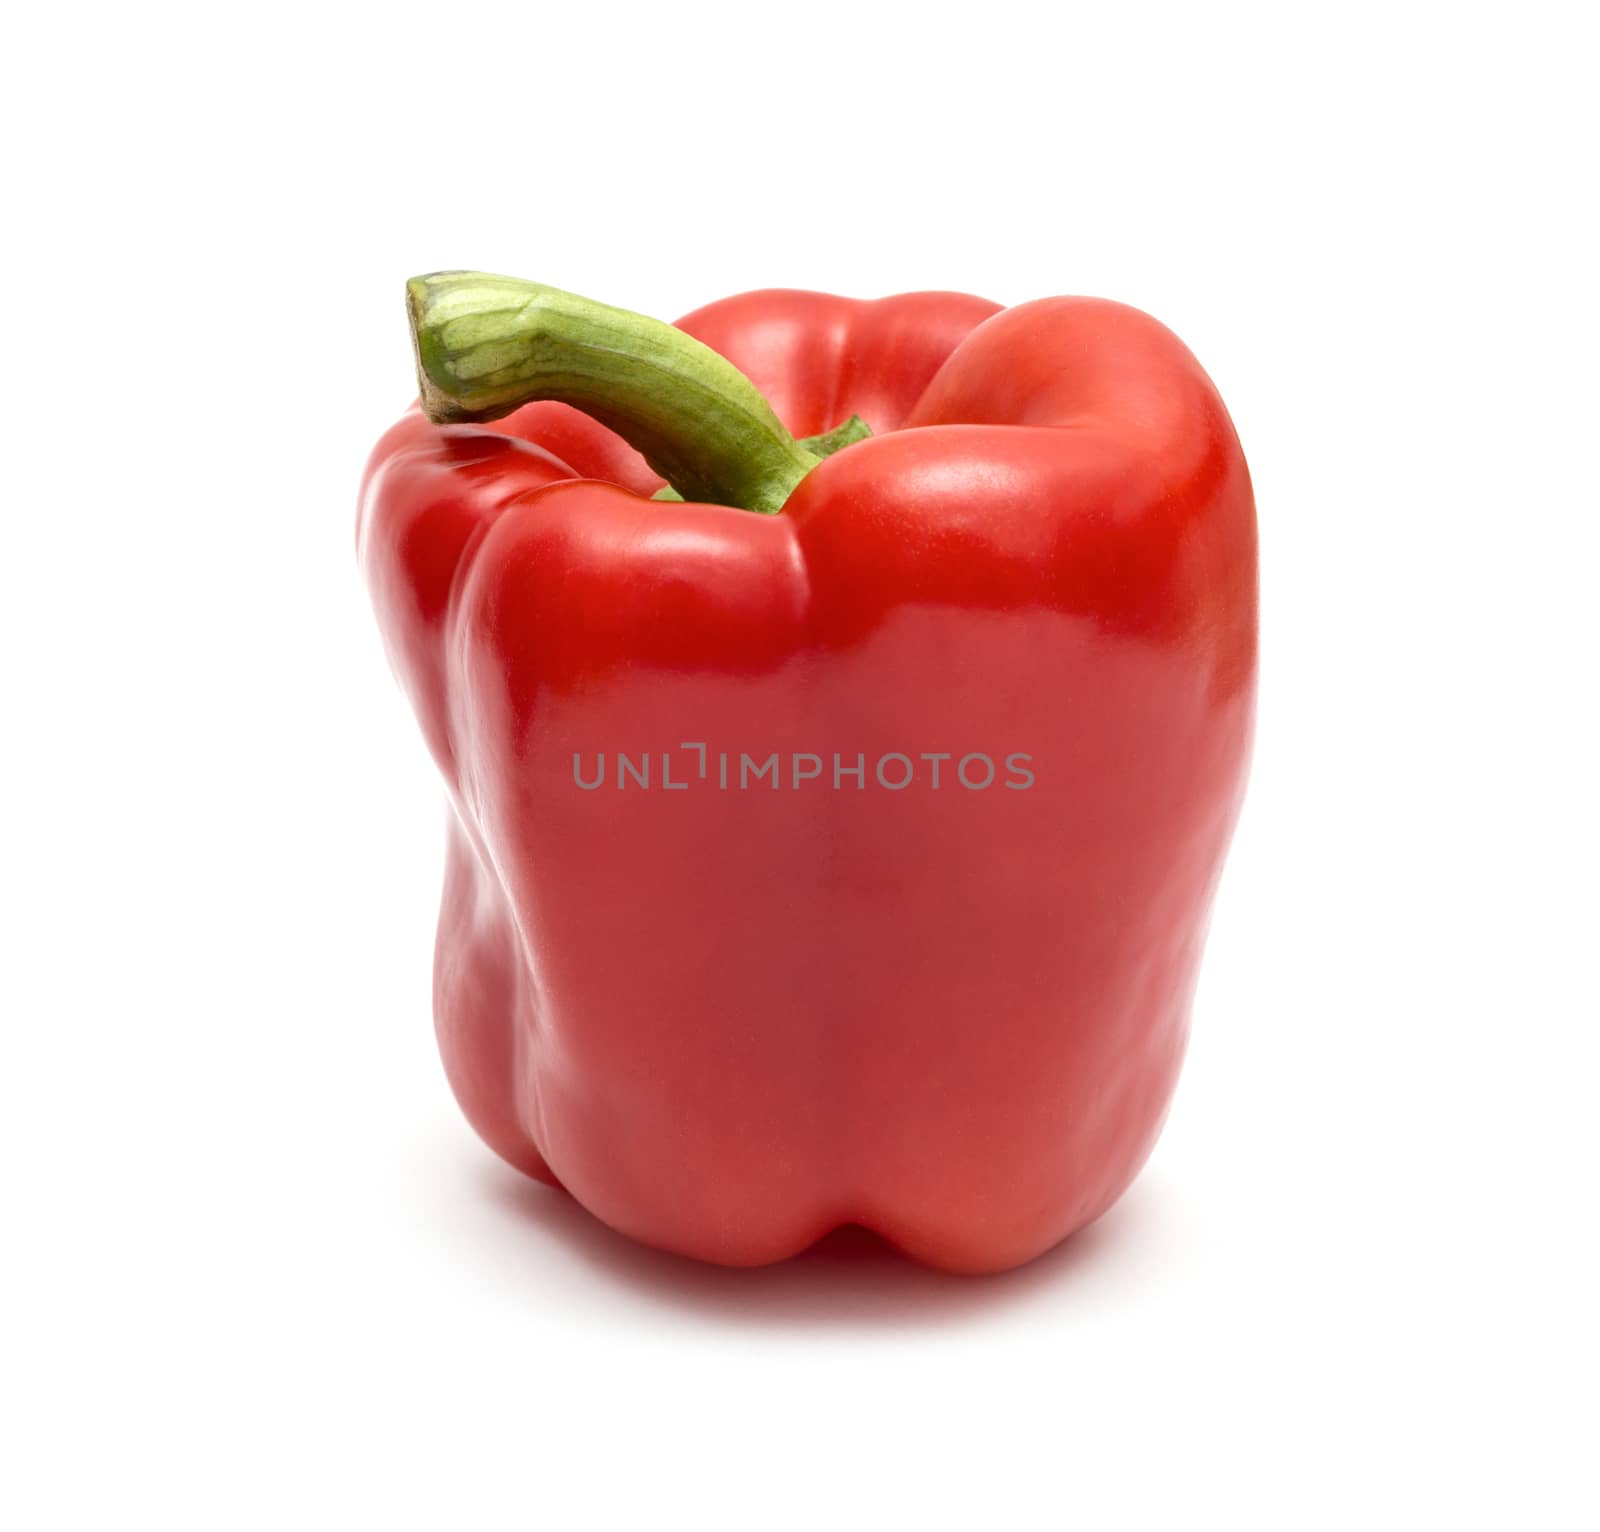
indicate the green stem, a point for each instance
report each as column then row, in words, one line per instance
column 487, row 345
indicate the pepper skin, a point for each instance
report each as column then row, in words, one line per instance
column 728, row 1021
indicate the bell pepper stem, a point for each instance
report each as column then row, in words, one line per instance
column 487, row 345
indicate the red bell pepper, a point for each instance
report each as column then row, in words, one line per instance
column 834, row 846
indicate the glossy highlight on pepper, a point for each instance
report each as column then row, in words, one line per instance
column 728, row 1022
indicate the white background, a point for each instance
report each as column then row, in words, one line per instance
column 260, row 1273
